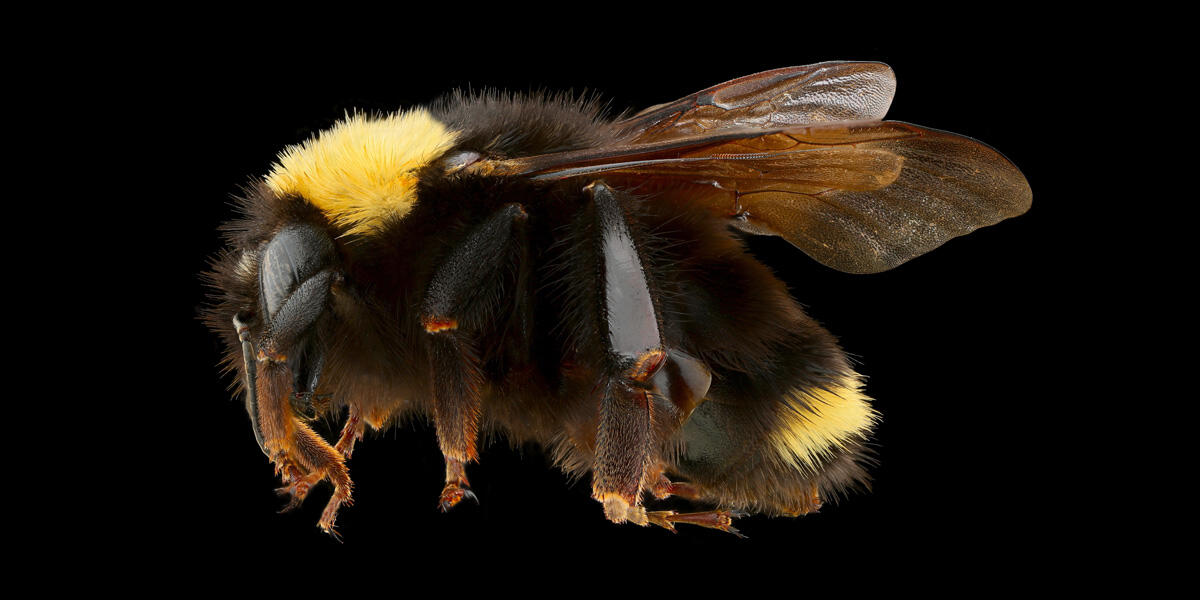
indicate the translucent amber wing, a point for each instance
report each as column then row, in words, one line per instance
column 946, row 186
column 858, row 197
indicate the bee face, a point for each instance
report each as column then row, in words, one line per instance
column 528, row 266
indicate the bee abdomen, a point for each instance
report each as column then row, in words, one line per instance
column 783, row 456
column 785, row 421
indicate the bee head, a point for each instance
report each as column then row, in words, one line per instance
column 363, row 170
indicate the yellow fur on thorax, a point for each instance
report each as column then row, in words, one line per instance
column 817, row 423
column 362, row 171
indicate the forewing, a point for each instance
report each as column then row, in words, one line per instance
column 859, row 197
column 771, row 100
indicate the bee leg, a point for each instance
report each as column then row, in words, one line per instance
column 301, row 456
column 352, row 432
column 679, row 387
column 297, row 481
column 635, row 353
column 457, row 487
column 328, row 464
column 458, row 299
column 664, row 488
column 623, row 443
column 713, row 519
column 809, row 503
column 456, row 410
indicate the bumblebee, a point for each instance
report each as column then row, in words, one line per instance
column 524, row 264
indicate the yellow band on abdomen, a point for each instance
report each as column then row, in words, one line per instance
column 816, row 423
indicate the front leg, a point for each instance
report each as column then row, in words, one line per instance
column 458, row 302
column 301, row 456
column 283, row 359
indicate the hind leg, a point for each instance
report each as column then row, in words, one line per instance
column 648, row 388
column 664, row 488
column 633, row 352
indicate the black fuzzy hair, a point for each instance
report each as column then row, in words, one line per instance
column 537, row 326
column 508, row 125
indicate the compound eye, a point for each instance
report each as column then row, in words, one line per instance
column 461, row 160
column 294, row 255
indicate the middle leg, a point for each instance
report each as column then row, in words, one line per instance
column 456, row 304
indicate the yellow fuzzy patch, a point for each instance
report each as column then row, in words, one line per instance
column 363, row 170
column 819, row 422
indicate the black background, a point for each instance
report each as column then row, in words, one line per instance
column 957, row 344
